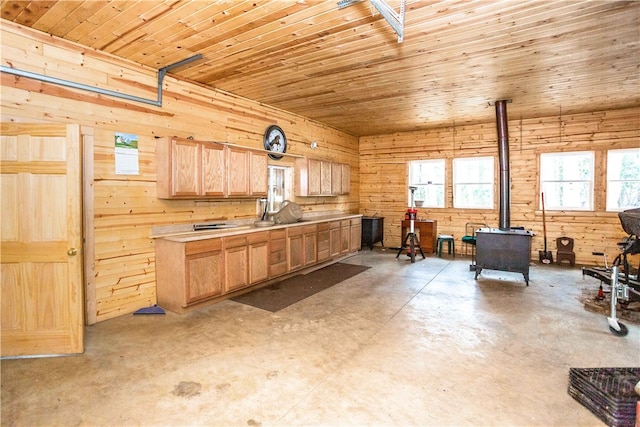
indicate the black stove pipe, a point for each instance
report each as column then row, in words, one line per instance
column 503, row 159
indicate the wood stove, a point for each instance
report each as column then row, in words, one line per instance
column 504, row 248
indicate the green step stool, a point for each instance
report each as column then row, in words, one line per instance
column 450, row 243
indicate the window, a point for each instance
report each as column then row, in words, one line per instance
column 473, row 183
column 428, row 176
column 566, row 179
column 279, row 186
column 623, row 179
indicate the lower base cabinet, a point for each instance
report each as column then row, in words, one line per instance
column 190, row 273
column 187, row 273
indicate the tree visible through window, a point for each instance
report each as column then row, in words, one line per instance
column 428, row 176
column 473, row 179
column 566, row 179
column 623, row 179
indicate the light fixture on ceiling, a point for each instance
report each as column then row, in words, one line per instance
column 313, row 145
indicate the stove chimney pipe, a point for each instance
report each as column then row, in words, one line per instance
column 503, row 159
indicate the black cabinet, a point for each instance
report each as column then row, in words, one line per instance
column 372, row 231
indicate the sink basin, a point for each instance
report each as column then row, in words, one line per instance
column 264, row 223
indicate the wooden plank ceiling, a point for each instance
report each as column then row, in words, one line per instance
column 345, row 67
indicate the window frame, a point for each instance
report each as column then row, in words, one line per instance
column 544, row 182
column 287, row 183
column 424, row 185
column 491, row 185
column 609, row 181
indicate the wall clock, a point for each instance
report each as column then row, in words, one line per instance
column 275, row 141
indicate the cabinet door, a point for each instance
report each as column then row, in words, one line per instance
column 323, row 242
column 314, row 170
column 310, row 234
column 345, row 234
column 258, row 184
column 236, row 263
column 336, row 179
column 295, row 248
column 334, row 239
column 346, row 179
column 203, row 270
column 325, row 178
column 185, row 167
column 204, row 276
column 277, row 256
column 258, row 257
column 214, row 175
column 356, row 234
column 237, row 172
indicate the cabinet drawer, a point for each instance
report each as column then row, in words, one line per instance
column 323, row 226
column 200, row 246
column 235, row 241
column 258, row 237
column 308, row 229
column 278, row 245
column 278, row 234
column 356, row 221
column 294, row 231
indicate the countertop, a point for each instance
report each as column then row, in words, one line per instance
column 185, row 233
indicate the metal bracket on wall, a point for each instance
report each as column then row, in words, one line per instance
column 161, row 73
column 396, row 20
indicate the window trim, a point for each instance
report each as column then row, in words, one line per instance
column 441, row 161
column 607, row 180
column 590, row 182
column 492, row 185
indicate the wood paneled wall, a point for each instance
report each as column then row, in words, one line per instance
column 384, row 183
column 124, row 208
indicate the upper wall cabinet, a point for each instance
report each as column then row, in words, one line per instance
column 190, row 169
column 321, row 178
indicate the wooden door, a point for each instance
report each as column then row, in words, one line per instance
column 238, row 171
column 336, row 179
column 314, row 177
column 204, row 269
column 325, row 178
column 186, row 166
column 346, row 179
column 236, row 263
column 41, row 249
column 214, row 169
column 258, row 257
column 259, row 170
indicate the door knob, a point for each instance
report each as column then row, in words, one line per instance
column 72, row 252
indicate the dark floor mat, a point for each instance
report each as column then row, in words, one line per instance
column 282, row 294
column 607, row 392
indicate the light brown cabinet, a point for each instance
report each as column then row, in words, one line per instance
column 188, row 169
column 258, row 256
column 335, row 242
column 247, row 172
column 236, row 263
column 187, row 273
column 310, row 244
column 356, row 234
column 321, row 178
column 324, row 239
column 192, row 272
column 295, row 249
column 345, row 234
column 277, row 253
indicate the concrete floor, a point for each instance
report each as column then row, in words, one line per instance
column 400, row 344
